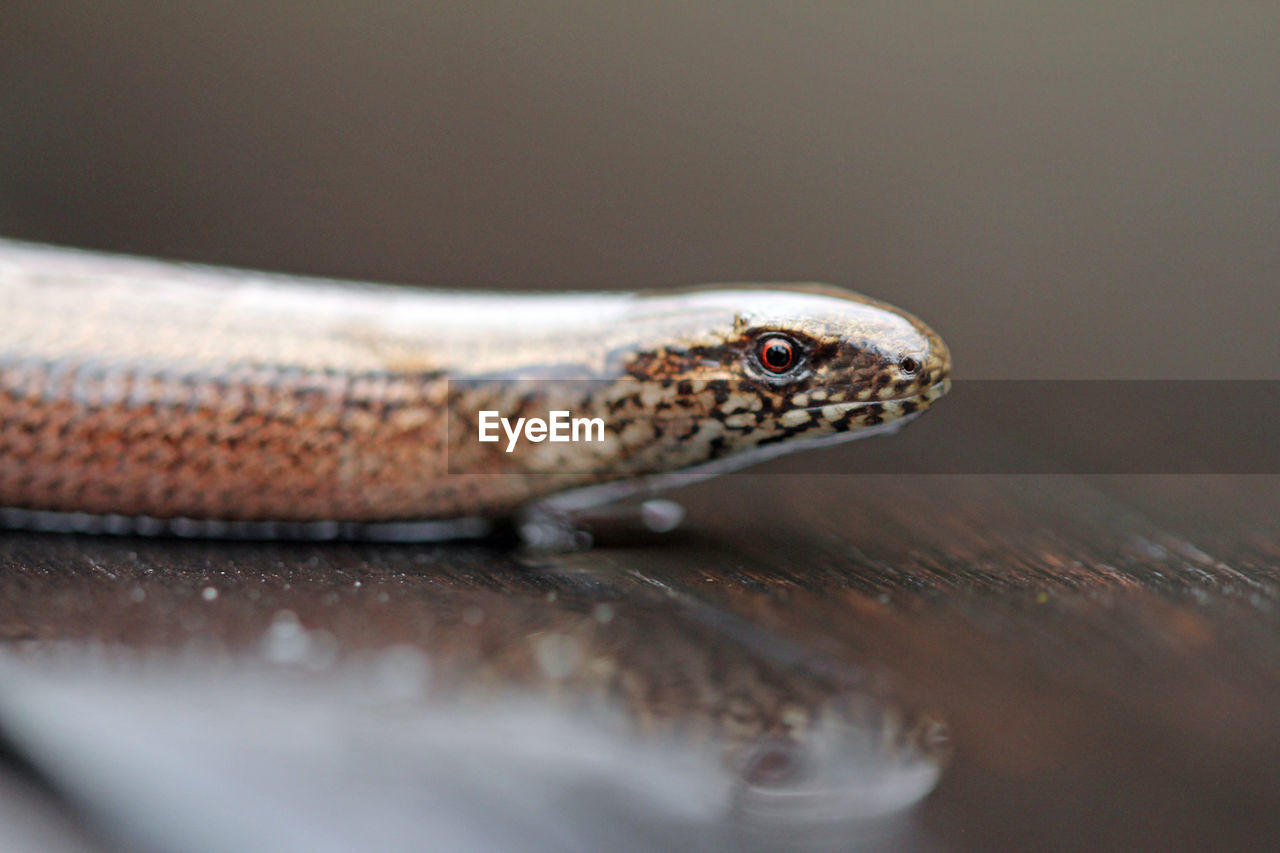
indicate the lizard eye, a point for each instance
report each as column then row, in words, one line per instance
column 909, row 365
column 776, row 354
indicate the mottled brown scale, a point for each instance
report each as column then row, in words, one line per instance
column 141, row 388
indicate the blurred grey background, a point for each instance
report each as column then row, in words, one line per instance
column 1077, row 190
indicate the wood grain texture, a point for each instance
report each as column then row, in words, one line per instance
column 1104, row 651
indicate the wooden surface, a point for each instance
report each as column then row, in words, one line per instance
column 1105, row 651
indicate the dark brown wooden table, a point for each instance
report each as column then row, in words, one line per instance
column 1105, row 651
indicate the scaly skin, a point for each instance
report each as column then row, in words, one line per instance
column 141, row 388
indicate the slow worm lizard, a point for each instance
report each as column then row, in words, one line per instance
column 161, row 396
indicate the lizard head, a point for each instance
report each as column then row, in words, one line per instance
column 761, row 371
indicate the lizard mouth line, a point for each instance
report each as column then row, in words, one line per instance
column 933, row 392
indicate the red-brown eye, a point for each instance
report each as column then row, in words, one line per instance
column 777, row 355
